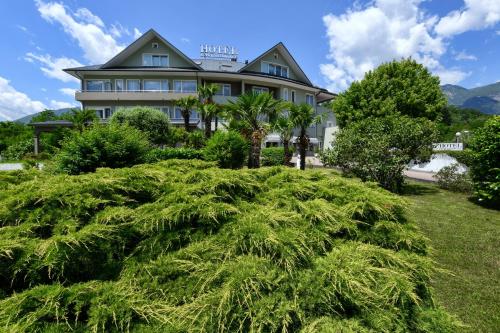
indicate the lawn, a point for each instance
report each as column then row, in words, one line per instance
column 465, row 240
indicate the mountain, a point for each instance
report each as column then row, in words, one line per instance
column 485, row 99
column 27, row 119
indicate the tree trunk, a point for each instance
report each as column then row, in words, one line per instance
column 208, row 127
column 288, row 153
column 255, row 150
column 216, row 123
column 186, row 121
column 303, row 143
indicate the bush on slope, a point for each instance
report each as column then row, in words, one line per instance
column 184, row 246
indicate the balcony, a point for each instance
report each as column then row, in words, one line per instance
column 135, row 95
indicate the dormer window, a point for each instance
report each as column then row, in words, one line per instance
column 275, row 69
column 155, row 60
column 154, row 45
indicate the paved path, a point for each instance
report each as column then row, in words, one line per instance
column 10, row 166
column 420, row 175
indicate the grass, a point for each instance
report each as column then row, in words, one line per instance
column 465, row 240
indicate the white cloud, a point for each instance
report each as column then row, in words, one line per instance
column 362, row 38
column 60, row 105
column 476, row 15
column 451, row 76
column 137, row 33
column 15, row 104
column 185, row 40
column 53, row 67
column 68, row 91
column 86, row 28
column 462, row 55
column 118, row 30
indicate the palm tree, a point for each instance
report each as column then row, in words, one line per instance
column 249, row 112
column 208, row 111
column 284, row 127
column 81, row 118
column 207, row 92
column 186, row 104
column 303, row 116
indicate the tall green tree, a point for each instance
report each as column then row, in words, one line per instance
column 80, row 117
column 186, row 104
column 149, row 120
column 250, row 113
column 399, row 87
column 284, row 127
column 207, row 92
column 303, row 116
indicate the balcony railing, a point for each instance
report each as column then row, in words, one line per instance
column 132, row 95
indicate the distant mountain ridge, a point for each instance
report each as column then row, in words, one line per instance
column 485, row 98
column 27, row 119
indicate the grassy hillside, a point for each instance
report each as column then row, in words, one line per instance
column 184, row 246
column 464, row 238
column 485, row 99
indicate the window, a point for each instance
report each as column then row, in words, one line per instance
column 275, row 69
column 98, row 85
column 181, row 86
column 133, row 85
column 224, row 89
column 165, row 110
column 154, row 45
column 156, row 85
column 260, row 90
column 119, row 85
column 293, row 96
column 103, row 112
column 285, row 94
column 176, row 114
column 309, row 99
column 155, row 60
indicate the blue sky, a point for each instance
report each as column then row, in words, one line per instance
column 335, row 42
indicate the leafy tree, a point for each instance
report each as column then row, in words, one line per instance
column 45, row 115
column 12, row 133
column 187, row 104
column 209, row 111
column 379, row 149
column 111, row 146
column 284, row 127
column 207, row 92
column 303, row 116
column 457, row 119
column 227, row 148
column 149, row 120
column 249, row 113
column 399, row 87
column 485, row 166
column 80, row 117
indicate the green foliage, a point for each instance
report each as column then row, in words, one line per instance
column 449, row 178
column 159, row 154
column 195, row 139
column 184, row 246
column 273, row 156
column 462, row 156
column 229, row 149
column 80, row 118
column 485, row 167
column 399, row 87
column 111, row 146
column 45, row 115
column 186, row 104
column 18, row 150
column 146, row 119
column 379, row 149
column 12, row 133
column 457, row 119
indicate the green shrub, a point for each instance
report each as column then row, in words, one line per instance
column 379, row 149
column 485, row 166
column 195, row 139
column 272, row 156
column 111, row 146
column 182, row 245
column 229, row 149
column 17, row 151
column 158, row 154
column 449, row 178
column 151, row 121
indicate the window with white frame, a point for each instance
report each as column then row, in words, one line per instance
column 155, row 85
column 165, row 110
column 275, row 69
column 98, row 85
column 285, row 94
column 260, row 90
column 184, row 86
column 155, row 60
column 102, row 112
column 119, row 85
column 294, row 99
column 309, row 99
column 133, row 85
column 224, row 89
column 176, row 114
